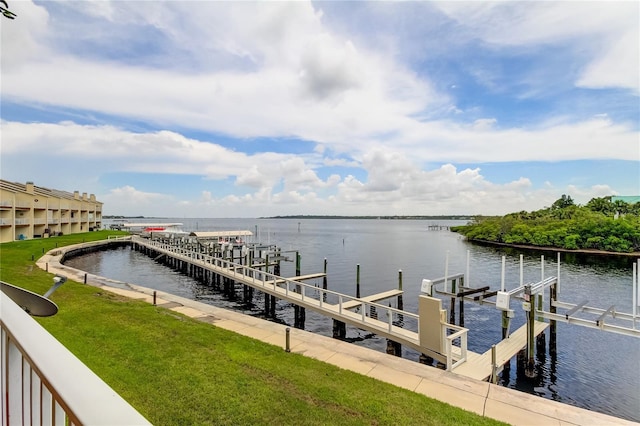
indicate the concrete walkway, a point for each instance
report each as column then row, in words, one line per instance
column 483, row 398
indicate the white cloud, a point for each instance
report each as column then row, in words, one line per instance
column 605, row 32
column 20, row 38
column 131, row 201
column 280, row 70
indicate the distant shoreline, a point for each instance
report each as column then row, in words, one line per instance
column 594, row 252
column 376, row 217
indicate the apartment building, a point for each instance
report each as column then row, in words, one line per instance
column 28, row 211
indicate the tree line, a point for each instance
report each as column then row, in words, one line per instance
column 601, row 224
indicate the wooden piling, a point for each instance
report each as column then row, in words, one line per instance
column 424, row 359
column 273, row 307
column 541, row 339
column 452, row 313
column 324, row 281
column 400, row 302
column 505, row 324
column 394, row 348
column 339, row 329
column 267, row 305
column 553, row 295
column 529, row 370
column 358, row 281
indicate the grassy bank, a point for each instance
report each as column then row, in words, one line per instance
column 178, row 371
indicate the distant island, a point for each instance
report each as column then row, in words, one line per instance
column 603, row 225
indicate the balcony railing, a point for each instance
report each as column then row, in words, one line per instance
column 43, row 383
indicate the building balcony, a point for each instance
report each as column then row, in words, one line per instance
column 43, row 383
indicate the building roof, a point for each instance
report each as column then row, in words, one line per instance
column 39, row 190
column 629, row 199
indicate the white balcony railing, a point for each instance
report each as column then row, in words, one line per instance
column 43, row 383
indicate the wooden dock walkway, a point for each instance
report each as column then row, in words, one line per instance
column 293, row 290
column 372, row 298
column 478, row 366
column 302, row 277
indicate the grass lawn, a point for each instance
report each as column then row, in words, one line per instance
column 179, row 371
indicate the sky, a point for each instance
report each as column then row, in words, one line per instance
column 252, row 109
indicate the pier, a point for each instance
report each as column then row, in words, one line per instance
column 434, row 338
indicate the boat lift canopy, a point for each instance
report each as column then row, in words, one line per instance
column 150, row 225
column 220, row 234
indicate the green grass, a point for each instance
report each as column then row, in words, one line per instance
column 178, row 371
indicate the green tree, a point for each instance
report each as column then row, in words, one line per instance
column 562, row 202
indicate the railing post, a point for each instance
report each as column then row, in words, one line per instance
column 494, row 367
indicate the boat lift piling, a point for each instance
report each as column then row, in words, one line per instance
column 395, row 348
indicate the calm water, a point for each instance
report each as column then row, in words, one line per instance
column 593, row 369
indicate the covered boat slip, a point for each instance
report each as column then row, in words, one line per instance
column 236, row 237
column 144, row 225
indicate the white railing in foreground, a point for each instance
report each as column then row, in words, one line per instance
column 42, row 383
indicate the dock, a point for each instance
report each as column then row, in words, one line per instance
column 478, row 366
column 371, row 298
column 434, row 337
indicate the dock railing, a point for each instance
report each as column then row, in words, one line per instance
column 393, row 321
column 459, row 333
column 43, row 383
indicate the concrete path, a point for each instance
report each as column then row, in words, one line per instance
column 483, row 398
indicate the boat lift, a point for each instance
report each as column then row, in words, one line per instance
column 532, row 296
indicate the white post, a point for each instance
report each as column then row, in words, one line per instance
column 467, row 280
column 542, row 277
column 446, row 270
column 635, row 293
column 521, row 270
column 502, row 280
column 558, row 279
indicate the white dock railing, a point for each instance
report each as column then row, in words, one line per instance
column 42, row 383
column 308, row 295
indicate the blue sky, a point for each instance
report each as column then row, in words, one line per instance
column 246, row 109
